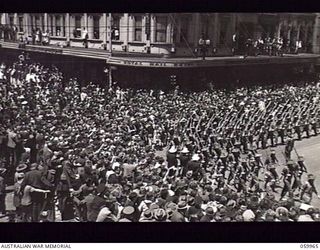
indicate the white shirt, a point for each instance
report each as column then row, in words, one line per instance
column 103, row 214
column 83, row 96
column 11, row 136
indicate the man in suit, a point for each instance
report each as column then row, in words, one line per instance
column 36, row 179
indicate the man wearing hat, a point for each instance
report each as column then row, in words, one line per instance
column 172, row 157
column 209, row 214
column 194, row 165
column 179, row 214
column 96, row 204
column 184, row 159
column 308, row 189
column 35, row 179
column 146, row 216
column 128, row 214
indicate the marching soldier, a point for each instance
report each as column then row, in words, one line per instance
column 281, row 133
column 273, row 156
column 314, row 126
column 308, row 189
column 297, row 129
column 287, row 179
column 301, row 164
column 271, row 135
column 306, row 128
column 288, row 148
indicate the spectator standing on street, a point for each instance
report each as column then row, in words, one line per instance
column 2, row 191
column 85, row 37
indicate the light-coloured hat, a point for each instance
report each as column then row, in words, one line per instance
column 173, row 149
column 195, row 157
column 185, row 150
column 115, row 165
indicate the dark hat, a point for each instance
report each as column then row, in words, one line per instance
column 160, row 214
column 210, row 211
column 147, row 214
column 182, row 205
column 101, row 188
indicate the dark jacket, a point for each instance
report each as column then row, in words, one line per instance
column 34, row 178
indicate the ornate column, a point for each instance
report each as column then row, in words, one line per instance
column 109, row 30
column 103, row 29
column 15, row 19
column 26, row 24
column 153, row 28
column 45, row 21
column 169, row 36
column 90, row 26
column 67, row 18
column 85, row 21
column 316, row 35
column 131, row 28
column 53, row 25
column 124, row 30
column 279, row 29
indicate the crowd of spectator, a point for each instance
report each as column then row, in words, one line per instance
column 131, row 155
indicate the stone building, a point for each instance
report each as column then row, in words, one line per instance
column 169, row 34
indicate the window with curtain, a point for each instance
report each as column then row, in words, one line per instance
column 58, row 26
column 161, row 29
column 20, row 23
column 116, row 28
column 77, row 29
column 51, row 25
column 138, row 28
column 11, row 20
column 42, row 24
column 96, row 27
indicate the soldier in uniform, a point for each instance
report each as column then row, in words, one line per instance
column 287, row 178
column 314, row 126
column 288, row 148
column 273, row 156
column 271, row 135
column 297, row 129
column 306, row 128
column 301, row 164
column 308, row 189
column 271, row 167
column 281, row 133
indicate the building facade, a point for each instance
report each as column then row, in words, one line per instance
column 170, row 35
